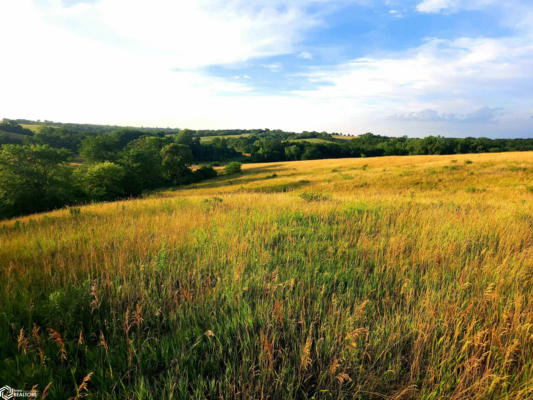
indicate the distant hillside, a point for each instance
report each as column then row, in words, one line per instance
column 96, row 128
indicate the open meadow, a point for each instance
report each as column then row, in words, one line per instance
column 366, row 278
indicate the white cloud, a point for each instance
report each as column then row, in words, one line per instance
column 273, row 67
column 437, row 6
column 434, row 6
column 305, row 55
column 396, row 13
column 194, row 33
column 462, row 80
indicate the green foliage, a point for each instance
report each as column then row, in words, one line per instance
column 233, row 167
column 185, row 137
column 99, row 148
column 58, row 138
column 292, row 153
column 175, row 161
column 103, row 181
column 12, row 126
column 142, row 160
column 205, row 172
column 33, row 178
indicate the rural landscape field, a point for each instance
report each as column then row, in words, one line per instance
column 369, row 278
column 266, row 200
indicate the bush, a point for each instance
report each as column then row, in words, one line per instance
column 233, row 167
column 104, row 181
column 205, row 172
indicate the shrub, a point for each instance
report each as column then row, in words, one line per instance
column 103, row 181
column 233, row 167
column 205, row 172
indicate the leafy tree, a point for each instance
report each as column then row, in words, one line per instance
column 176, row 159
column 103, row 181
column 99, row 148
column 293, row 152
column 268, row 150
column 233, row 167
column 58, row 138
column 143, row 163
column 185, row 136
column 34, row 178
column 124, row 136
column 311, row 152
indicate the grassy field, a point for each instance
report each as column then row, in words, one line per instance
column 207, row 139
column 377, row 278
column 33, row 127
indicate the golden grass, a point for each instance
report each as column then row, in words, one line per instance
column 392, row 277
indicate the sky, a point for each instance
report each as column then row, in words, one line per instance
column 393, row 67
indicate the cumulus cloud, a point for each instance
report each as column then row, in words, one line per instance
column 447, row 75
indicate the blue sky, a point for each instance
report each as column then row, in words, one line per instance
column 393, row 67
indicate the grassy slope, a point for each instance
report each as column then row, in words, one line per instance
column 394, row 277
column 33, row 127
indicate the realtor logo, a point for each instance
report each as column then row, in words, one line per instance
column 7, row 393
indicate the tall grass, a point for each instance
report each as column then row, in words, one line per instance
column 399, row 283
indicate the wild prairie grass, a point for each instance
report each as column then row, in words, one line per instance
column 400, row 283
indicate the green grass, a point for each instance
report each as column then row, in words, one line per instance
column 207, row 139
column 292, row 282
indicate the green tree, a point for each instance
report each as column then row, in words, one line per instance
column 292, row 152
column 34, row 178
column 176, row 159
column 185, row 136
column 103, row 181
column 143, row 163
column 99, row 148
column 58, row 138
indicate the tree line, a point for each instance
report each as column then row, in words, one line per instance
column 58, row 169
